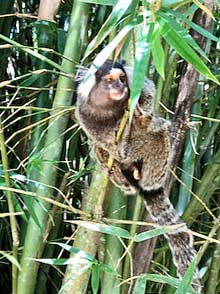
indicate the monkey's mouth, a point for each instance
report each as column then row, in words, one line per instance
column 117, row 94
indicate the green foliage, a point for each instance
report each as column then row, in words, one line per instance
column 57, row 209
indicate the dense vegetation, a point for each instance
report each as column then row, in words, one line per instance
column 64, row 227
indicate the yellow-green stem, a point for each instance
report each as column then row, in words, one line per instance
column 12, row 217
column 136, row 216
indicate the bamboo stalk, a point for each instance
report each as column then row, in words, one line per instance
column 214, row 270
column 113, row 248
column 85, row 239
column 52, row 152
column 128, row 268
column 12, row 217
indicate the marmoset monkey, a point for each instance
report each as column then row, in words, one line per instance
column 141, row 155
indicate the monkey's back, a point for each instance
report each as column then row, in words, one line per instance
column 147, row 143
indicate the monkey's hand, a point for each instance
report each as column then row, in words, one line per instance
column 115, row 173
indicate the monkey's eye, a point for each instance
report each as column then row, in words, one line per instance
column 109, row 79
column 122, row 78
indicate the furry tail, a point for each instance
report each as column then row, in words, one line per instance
column 180, row 243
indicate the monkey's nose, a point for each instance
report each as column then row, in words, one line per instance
column 117, row 84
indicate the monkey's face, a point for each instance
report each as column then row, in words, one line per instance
column 107, row 88
column 115, row 84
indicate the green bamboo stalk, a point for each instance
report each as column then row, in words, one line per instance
column 214, row 270
column 44, row 36
column 86, row 240
column 52, row 152
column 113, row 248
column 13, row 221
column 53, row 228
column 136, row 216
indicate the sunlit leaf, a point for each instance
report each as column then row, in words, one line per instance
column 18, row 208
column 184, row 50
column 104, row 54
column 204, row 8
column 158, row 53
column 11, row 258
column 103, row 228
column 116, row 14
column 158, row 231
column 140, row 285
column 183, row 33
column 81, row 264
column 53, row 261
column 191, row 24
column 140, row 65
column 75, row 250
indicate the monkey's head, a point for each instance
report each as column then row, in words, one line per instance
column 107, row 87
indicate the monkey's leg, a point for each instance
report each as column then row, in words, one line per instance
column 115, row 173
column 180, row 243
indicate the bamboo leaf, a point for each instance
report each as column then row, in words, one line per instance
column 204, row 8
column 183, row 33
column 107, row 268
column 29, row 204
column 140, row 65
column 117, row 12
column 184, row 286
column 53, row 261
column 184, row 50
column 174, row 3
column 75, row 250
column 162, row 279
column 101, row 2
column 174, row 282
column 103, row 55
column 191, row 24
column 95, row 278
column 140, row 285
column 103, row 228
column 32, row 52
column 77, row 260
column 158, row 53
column 158, row 231
column 10, row 258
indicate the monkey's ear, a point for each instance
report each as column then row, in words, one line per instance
column 81, row 74
column 129, row 74
column 84, row 84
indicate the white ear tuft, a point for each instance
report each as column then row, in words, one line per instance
column 86, row 86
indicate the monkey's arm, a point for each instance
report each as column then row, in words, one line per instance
column 115, row 173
